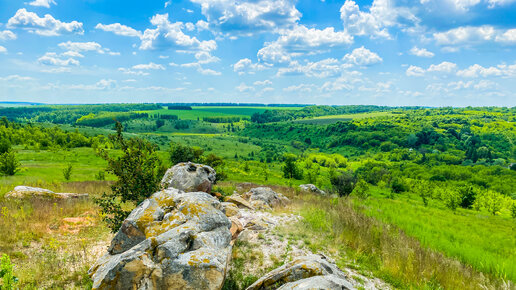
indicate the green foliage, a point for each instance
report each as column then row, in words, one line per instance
column 290, row 168
column 139, row 171
column 344, row 183
column 9, row 164
column 183, row 153
column 7, row 279
column 222, row 119
column 67, row 171
column 361, row 189
column 423, row 189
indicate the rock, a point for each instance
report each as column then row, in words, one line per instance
column 236, row 227
column 173, row 240
column 318, row 282
column 27, row 191
column 311, row 188
column 300, row 269
column 239, row 201
column 265, row 198
column 189, row 177
column 229, row 209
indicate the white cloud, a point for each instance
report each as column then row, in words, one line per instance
column 478, row 70
column 245, row 65
column 382, row 15
column 3, row 49
column 7, row 35
column 119, row 29
column 481, row 85
column 52, row 59
column 170, row 35
column 42, row 3
column 199, row 68
column 149, row 66
column 321, row 69
column 247, row 17
column 15, row 78
column 168, row 3
column 72, row 53
column 415, row 71
column 132, row 72
column 76, row 47
column 263, row 83
column 204, row 57
column 244, row 88
column 465, row 35
column 61, row 69
column 303, row 88
column 301, row 40
column 421, row 52
column 346, row 82
column 508, row 37
column 444, row 67
column 495, row 3
column 362, row 56
column 46, row 26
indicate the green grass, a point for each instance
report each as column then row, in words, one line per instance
column 486, row 242
column 200, row 112
column 325, row 120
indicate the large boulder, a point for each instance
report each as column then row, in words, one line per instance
column 27, row 191
column 173, row 240
column 189, row 177
column 265, row 198
column 311, row 188
column 300, row 272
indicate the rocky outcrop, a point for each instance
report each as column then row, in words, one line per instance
column 265, row 198
column 310, row 272
column 311, row 188
column 189, row 177
column 239, row 201
column 27, row 191
column 173, row 240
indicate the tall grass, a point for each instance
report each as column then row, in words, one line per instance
column 337, row 226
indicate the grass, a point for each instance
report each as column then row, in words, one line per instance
column 484, row 241
column 338, row 227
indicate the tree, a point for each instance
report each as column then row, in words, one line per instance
column 361, row 189
column 343, row 183
column 9, row 164
column 290, row 169
column 423, row 189
column 138, row 170
column 182, row 153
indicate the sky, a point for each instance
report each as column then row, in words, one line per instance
column 381, row 52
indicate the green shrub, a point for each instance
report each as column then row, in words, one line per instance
column 343, row 183
column 7, row 279
column 9, row 164
column 67, row 172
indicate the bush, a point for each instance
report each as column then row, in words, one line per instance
column 361, row 189
column 290, row 169
column 139, row 171
column 343, row 183
column 7, row 279
column 67, row 172
column 182, row 153
column 398, row 186
column 468, row 196
column 9, row 165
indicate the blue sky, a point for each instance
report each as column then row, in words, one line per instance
column 384, row 52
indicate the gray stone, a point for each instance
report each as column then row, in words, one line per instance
column 299, row 269
column 318, row 282
column 173, row 240
column 265, row 198
column 311, row 188
column 27, row 191
column 189, row 177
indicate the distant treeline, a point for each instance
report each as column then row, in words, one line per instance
column 167, row 117
column 106, row 119
column 177, row 107
column 312, row 111
column 232, row 105
column 222, row 119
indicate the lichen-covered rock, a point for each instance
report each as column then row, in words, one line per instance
column 173, row 240
column 299, row 269
column 189, row 177
column 318, row 282
column 229, row 209
column 311, row 188
column 236, row 228
column 27, row 191
column 265, row 198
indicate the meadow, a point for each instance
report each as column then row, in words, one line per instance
column 389, row 226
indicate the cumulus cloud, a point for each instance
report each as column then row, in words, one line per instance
column 301, row 40
column 149, row 66
column 53, row 59
column 119, row 29
column 171, row 35
column 247, row 17
column 375, row 23
column 444, row 67
column 415, row 71
column 7, row 35
column 478, row 70
column 132, row 72
column 244, row 88
column 508, row 37
column 199, row 68
column 263, row 83
column 42, row 3
column 362, row 56
column 245, row 65
column 74, row 48
column 320, row 69
column 495, row 3
column 46, row 26
column 466, row 34
column 302, row 88
column 421, row 52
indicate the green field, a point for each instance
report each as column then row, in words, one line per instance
column 197, row 113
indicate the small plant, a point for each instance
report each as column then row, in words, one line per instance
column 7, row 278
column 101, row 175
column 67, row 172
column 513, row 210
